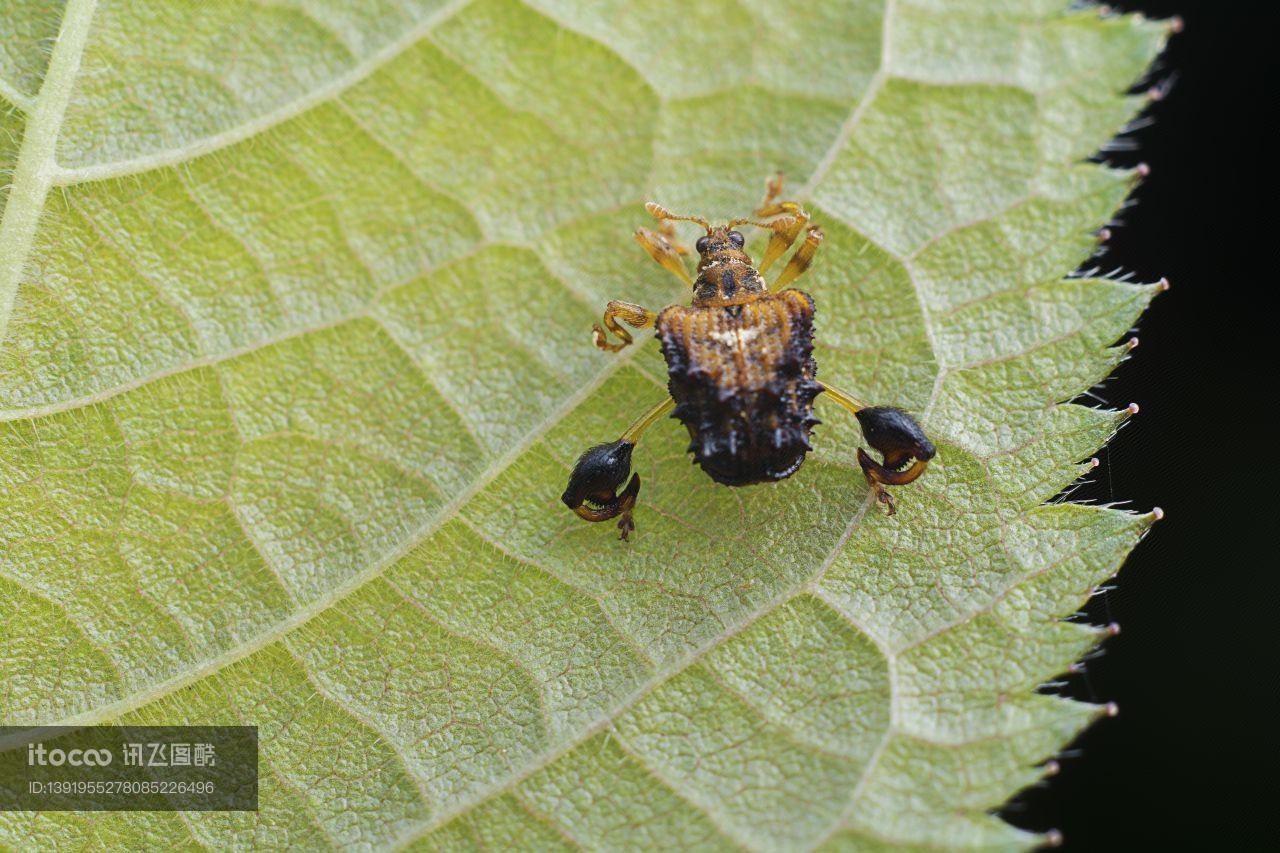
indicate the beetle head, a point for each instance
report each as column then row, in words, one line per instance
column 721, row 243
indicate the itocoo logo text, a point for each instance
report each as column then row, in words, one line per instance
column 38, row 755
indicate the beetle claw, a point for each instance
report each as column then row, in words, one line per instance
column 626, row 524
column 592, row 492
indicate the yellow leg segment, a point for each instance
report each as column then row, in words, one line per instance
column 784, row 234
column 853, row 404
column 786, row 230
column 771, row 206
column 648, row 419
column 800, row 260
column 665, row 252
column 635, row 315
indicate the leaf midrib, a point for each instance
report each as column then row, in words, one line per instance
column 36, row 164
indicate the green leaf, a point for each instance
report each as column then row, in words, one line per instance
column 294, row 302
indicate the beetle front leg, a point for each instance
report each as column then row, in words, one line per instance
column 637, row 316
column 592, row 492
column 800, row 260
column 785, row 232
column 663, row 248
column 899, row 439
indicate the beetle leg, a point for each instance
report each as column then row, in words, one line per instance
column 668, row 231
column 783, row 234
column 662, row 247
column 899, row 439
column 592, row 492
column 636, row 315
column 771, row 206
column 800, row 260
column 785, row 231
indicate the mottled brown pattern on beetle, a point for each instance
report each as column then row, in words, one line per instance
column 742, row 376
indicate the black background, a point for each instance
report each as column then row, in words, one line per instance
column 1192, row 760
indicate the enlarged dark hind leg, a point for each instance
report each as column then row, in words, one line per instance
column 899, row 439
column 592, row 492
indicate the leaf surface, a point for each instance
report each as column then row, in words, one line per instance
column 294, row 364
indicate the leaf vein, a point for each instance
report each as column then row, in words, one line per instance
column 267, row 121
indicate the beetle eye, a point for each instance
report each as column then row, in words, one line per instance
column 702, row 245
column 736, row 239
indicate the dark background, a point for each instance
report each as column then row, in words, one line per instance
column 1192, row 759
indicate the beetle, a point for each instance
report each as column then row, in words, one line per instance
column 741, row 375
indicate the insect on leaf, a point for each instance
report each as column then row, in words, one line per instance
column 295, row 359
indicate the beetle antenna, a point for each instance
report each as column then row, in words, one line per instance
column 660, row 213
column 734, row 223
